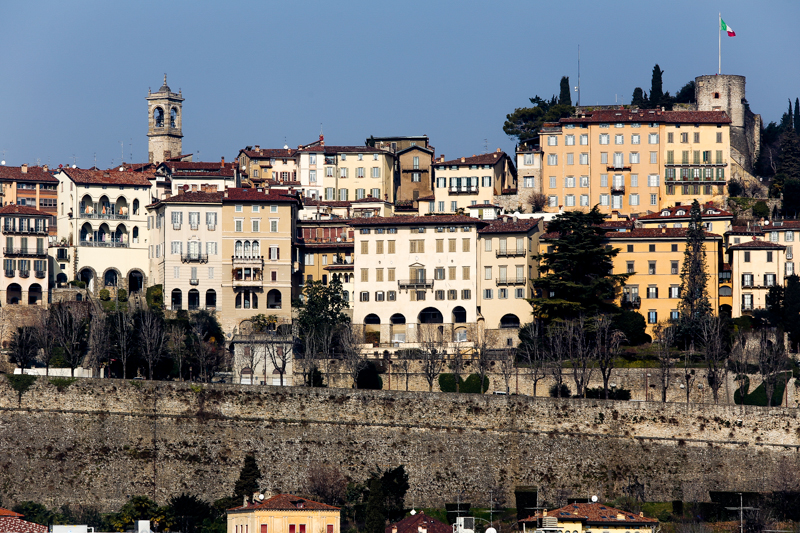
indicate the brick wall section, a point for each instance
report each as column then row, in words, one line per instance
column 93, row 443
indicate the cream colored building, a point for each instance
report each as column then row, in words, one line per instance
column 283, row 513
column 25, row 263
column 467, row 181
column 757, row 265
column 635, row 161
column 586, row 517
column 258, row 255
column 529, row 169
column 186, row 249
column 263, row 165
column 103, row 222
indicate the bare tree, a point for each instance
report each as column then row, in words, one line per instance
column 557, row 346
column 70, row 331
column 204, row 351
column 664, row 337
column 537, row 201
column 404, row 365
column 124, row 333
column 152, row 338
column 99, row 339
column 248, row 355
column 581, row 355
column 176, row 336
column 533, row 353
column 326, row 483
column 483, row 346
column 432, row 353
column 715, row 353
column 607, row 347
column 741, row 353
column 689, row 374
column 24, row 347
column 350, row 340
column 45, row 336
column 771, row 360
column 507, row 360
column 279, row 349
column 318, row 345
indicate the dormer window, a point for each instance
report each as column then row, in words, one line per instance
column 664, row 213
column 681, row 212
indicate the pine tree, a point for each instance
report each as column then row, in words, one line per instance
column 790, row 155
column 656, row 87
column 694, row 305
column 375, row 521
column 247, row 483
column 639, row 98
column 565, row 98
column 577, row 270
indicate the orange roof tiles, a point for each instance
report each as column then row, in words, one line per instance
column 648, row 115
column 38, row 174
column 108, row 177
column 12, row 209
column 413, row 523
column 483, row 159
column 285, row 502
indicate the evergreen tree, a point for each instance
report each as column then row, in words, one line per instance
column 796, row 115
column 686, row 94
column 656, row 87
column 565, row 98
column 525, row 122
column 375, row 520
column 578, row 269
column 791, row 198
column 694, row 305
column 790, row 155
column 639, row 98
column 791, row 307
column 247, row 483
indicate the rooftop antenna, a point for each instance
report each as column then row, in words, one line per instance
column 578, row 88
column 74, row 161
column 121, row 152
column 95, row 159
column 130, row 147
column 486, row 146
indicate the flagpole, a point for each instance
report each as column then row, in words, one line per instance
column 719, row 36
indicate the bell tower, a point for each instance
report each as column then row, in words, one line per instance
column 164, row 109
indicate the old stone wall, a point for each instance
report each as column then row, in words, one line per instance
column 97, row 442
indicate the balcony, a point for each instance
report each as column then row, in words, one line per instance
column 104, row 216
column 194, row 282
column 104, row 244
column 618, row 168
column 415, row 283
column 39, row 274
column 24, row 273
column 194, row 258
column 511, row 281
column 510, row 253
column 248, row 261
column 24, row 252
column 617, row 189
column 463, row 189
column 10, row 273
column 248, row 282
column 13, row 230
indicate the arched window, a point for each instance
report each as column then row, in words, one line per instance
column 372, row 318
column 246, row 248
column 725, row 291
column 346, row 295
column 509, row 321
column 173, row 117
column 135, row 234
column 211, row 299
column 255, row 251
column 177, row 299
column 158, row 116
column 110, row 278
column 237, row 250
column 274, row 299
column 135, row 206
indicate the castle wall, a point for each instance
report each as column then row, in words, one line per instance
column 98, row 442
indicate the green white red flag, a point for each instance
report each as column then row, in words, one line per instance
column 726, row 28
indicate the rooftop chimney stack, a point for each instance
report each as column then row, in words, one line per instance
column 24, row 168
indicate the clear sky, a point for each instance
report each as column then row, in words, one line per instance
column 75, row 74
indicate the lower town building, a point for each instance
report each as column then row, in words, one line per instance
column 757, row 265
column 589, row 517
column 25, row 255
column 283, row 513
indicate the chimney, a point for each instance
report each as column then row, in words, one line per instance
column 641, row 514
column 422, row 529
column 167, row 194
column 257, row 147
column 44, row 168
column 463, row 159
column 226, row 192
column 222, row 164
column 499, row 150
column 663, row 230
column 24, row 168
column 544, row 512
column 394, row 529
column 194, row 187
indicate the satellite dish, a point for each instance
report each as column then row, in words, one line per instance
column 491, row 530
column 74, row 166
column 2, row 162
column 285, row 146
column 594, row 499
column 122, row 169
column 413, row 512
column 260, row 496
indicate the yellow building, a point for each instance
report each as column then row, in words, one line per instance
column 589, row 518
column 325, row 248
column 258, row 230
column 715, row 220
column 757, row 265
column 635, row 161
column 283, row 513
column 467, row 181
column 260, row 165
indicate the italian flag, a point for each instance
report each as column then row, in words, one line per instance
column 725, row 27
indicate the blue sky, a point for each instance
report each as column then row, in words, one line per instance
column 75, row 74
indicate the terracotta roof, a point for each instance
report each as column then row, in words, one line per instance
column 594, row 514
column 339, row 267
column 367, row 200
column 483, row 205
column 764, row 245
column 426, row 198
column 614, row 224
column 649, row 115
column 208, row 166
column 33, row 174
column 507, row 225
column 254, row 195
column 197, row 197
column 332, row 150
column 744, row 230
column 325, row 203
column 108, row 177
column 12, row 209
column 7, row 512
column 642, row 233
column 226, row 172
column 277, row 153
column 483, row 159
column 435, row 220
column 413, row 523
column 15, row 525
column 671, row 212
column 286, row 502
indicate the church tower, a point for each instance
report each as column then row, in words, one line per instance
column 165, row 117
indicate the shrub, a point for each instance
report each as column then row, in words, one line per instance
column 760, row 210
column 632, row 325
column 735, row 188
column 105, row 295
column 122, row 295
column 472, row 385
column 447, row 382
column 565, row 392
column 62, row 383
column 155, row 296
column 368, row 378
column 613, row 394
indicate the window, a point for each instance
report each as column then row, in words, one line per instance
column 773, row 236
column 584, row 159
column 652, row 317
column 453, row 206
column 635, row 138
column 552, row 182
column 464, row 273
column 502, row 294
column 176, row 272
column 552, row 201
column 175, row 248
column 439, row 295
column 363, row 296
column 747, row 280
column 584, row 140
column 360, row 194
column 486, row 181
column 604, row 199
column 343, row 195
column 569, row 182
column 697, row 136
column 378, row 274
column 466, row 294
column 684, row 137
column 653, row 199
column 719, row 136
column 584, row 200
column 330, row 193
column 451, row 245
column 379, row 297
column 651, row 267
column 360, row 172
column 769, row 257
column 487, row 272
column 634, row 199
column 255, row 224
column 376, row 172
column 552, row 140
column 416, row 246
column 569, row 140
column 487, row 294
column 519, row 293
column 238, row 208
column 652, row 180
column 391, row 246
column 552, row 159
column 769, row 280
column 634, row 157
column 652, row 138
column 604, row 138
column 584, row 181
column 629, row 266
column 438, row 273
column 343, row 171
column 619, row 139
column 570, row 200
column 747, row 302
column 570, row 158
column 238, row 225
column 789, row 269
column 465, row 245
column 527, row 182
column 364, row 274
column 604, row 180
column 674, row 291
column 390, row 296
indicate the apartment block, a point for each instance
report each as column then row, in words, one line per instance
column 757, row 265
column 34, row 187
column 25, row 278
column 467, row 181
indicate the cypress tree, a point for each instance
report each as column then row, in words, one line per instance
column 790, row 155
column 656, row 87
column 639, row 98
column 565, row 98
column 796, row 114
column 694, row 305
column 375, row 521
column 247, row 483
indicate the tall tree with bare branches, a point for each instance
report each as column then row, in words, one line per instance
column 124, row 329
column 507, row 366
column 70, row 331
column 581, row 355
column 279, row 349
column 664, row 337
column 152, row 337
column 557, row 346
column 350, row 340
column 715, row 352
column 176, row 337
column 484, row 344
column 24, row 347
column 45, row 336
column 607, row 342
column 771, row 360
column 533, row 353
column 99, row 339
column 204, row 351
column 432, row 354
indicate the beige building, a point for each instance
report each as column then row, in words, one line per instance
column 258, row 261
column 193, row 176
column 262, row 166
column 25, row 263
column 102, row 224
column 32, row 187
column 185, row 249
column 586, row 517
column 467, row 181
column 757, row 265
column 635, row 161
column 283, row 513
column 529, row 169
column 413, row 174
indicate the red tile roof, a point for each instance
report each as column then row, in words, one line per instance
column 108, row 177
column 15, row 525
column 188, row 166
column 225, row 172
column 254, row 195
column 483, row 159
column 194, row 197
column 7, row 512
column 325, row 203
column 595, row 514
column 642, row 233
column 413, row 523
column 649, row 115
column 672, row 212
column 37, row 174
column 755, row 244
column 285, row 502
column 508, row 225
column 12, row 209
column 434, row 220
column 333, row 150
column 277, row 153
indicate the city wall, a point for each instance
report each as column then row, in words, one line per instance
column 98, row 442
